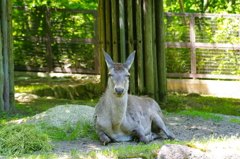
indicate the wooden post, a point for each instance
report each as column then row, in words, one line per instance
column 139, row 45
column 6, row 68
column 130, row 44
column 162, row 74
column 122, row 30
column 155, row 68
column 49, row 40
column 115, row 41
column 148, row 50
column 1, row 72
column 193, row 49
column 10, row 56
column 5, row 55
column 101, row 26
column 108, row 28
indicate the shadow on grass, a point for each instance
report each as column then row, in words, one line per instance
column 209, row 104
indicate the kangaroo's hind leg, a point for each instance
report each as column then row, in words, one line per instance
column 158, row 122
column 139, row 132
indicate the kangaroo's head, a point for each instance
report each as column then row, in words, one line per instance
column 118, row 80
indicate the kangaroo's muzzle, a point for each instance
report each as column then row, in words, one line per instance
column 119, row 90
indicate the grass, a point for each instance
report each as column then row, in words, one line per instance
column 29, row 88
column 234, row 120
column 226, row 106
column 205, row 115
column 177, row 103
column 68, row 133
column 19, row 139
column 125, row 150
column 212, row 142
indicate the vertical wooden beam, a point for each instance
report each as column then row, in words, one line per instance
column 115, row 42
column 130, row 42
column 101, row 31
column 193, row 49
column 156, row 90
column 139, row 52
column 148, row 52
column 10, row 56
column 122, row 30
column 162, row 75
column 108, row 27
column 49, row 40
column 5, row 55
column 1, row 71
column 96, row 48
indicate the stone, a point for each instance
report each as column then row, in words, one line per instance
column 174, row 151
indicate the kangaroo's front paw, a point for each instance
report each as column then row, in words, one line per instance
column 104, row 138
column 170, row 135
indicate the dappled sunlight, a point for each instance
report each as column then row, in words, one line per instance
column 218, row 145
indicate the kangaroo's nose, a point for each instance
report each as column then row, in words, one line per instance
column 119, row 91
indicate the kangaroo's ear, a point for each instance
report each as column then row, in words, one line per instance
column 108, row 59
column 129, row 61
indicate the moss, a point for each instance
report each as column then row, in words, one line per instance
column 70, row 93
column 48, row 92
column 59, row 92
column 81, row 92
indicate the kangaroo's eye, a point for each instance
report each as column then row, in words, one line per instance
column 109, row 75
column 128, row 75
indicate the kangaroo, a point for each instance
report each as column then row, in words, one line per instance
column 122, row 117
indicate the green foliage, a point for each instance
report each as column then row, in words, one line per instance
column 67, row 4
column 23, row 139
column 206, row 6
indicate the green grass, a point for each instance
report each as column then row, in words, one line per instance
column 29, row 88
column 205, row 115
column 19, row 139
column 125, row 150
column 235, row 120
column 226, row 106
column 68, row 133
column 179, row 104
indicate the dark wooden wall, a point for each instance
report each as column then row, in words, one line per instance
column 125, row 26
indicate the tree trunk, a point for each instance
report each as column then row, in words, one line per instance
column 6, row 58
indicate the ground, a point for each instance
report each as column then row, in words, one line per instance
column 184, row 127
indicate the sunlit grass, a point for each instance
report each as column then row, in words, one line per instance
column 211, row 143
column 29, row 88
column 126, row 150
column 226, row 106
column 235, row 120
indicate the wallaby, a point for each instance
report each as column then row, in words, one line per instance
column 122, row 117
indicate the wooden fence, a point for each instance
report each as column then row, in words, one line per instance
column 197, row 45
column 58, row 40
column 207, row 44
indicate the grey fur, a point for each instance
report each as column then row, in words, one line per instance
column 121, row 117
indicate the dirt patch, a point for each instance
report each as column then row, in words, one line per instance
column 184, row 127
